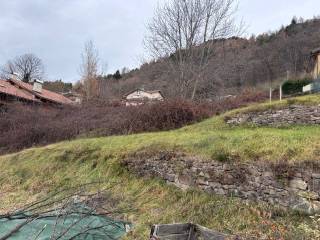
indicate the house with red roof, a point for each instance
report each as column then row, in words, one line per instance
column 16, row 90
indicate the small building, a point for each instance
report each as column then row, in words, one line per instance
column 315, row 86
column 141, row 96
column 315, row 56
column 312, row 88
column 15, row 90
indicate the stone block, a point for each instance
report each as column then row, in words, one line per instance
column 229, row 187
column 315, row 185
column 186, row 180
column 308, row 195
column 227, row 167
column 202, row 181
column 316, row 206
column 316, row 175
column 220, row 191
column 267, row 174
column 215, row 185
column 271, row 191
column 227, row 179
column 170, row 177
column 254, row 171
column 251, row 195
column 298, row 184
column 303, row 206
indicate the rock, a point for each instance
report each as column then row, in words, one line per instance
column 202, row 181
column 186, row 180
column 298, row 175
column 315, row 185
column 271, row 191
column 219, row 191
column 228, row 187
column 254, row 171
column 271, row 201
column 303, row 206
column 195, row 170
column 215, row 185
column 170, row 177
column 227, row 167
column 251, row 195
column 308, row 195
column 267, row 174
column 298, row 184
column 316, row 175
column 181, row 186
column 316, row 206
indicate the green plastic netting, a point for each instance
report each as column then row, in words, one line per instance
column 81, row 223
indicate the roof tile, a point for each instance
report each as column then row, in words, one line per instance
column 25, row 91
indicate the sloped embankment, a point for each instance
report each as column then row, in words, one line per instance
column 32, row 174
column 289, row 186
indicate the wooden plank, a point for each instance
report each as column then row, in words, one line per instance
column 184, row 232
column 175, row 237
column 208, row 234
column 164, row 230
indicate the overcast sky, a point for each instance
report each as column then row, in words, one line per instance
column 56, row 30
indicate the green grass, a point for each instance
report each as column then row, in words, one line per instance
column 33, row 173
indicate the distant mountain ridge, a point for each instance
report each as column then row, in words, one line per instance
column 237, row 63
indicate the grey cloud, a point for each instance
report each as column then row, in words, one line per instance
column 56, row 30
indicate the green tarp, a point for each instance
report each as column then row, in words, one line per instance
column 81, row 223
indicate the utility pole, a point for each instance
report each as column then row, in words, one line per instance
column 270, row 94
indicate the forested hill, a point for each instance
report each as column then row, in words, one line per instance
column 237, row 63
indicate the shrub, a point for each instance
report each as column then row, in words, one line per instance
column 295, row 86
column 23, row 126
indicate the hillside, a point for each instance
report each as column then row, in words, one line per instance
column 237, row 63
column 34, row 173
column 43, row 125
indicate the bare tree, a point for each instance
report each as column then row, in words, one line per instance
column 90, row 70
column 27, row 66
column 186, row 32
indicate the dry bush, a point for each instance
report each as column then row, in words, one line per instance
column 23, row 126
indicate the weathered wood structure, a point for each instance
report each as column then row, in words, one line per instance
column 315, row 55
column 315, row 71
column 186, row 231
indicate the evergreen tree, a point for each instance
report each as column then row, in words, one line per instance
column 117, row 75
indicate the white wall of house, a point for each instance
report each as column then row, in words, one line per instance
column 144, row 95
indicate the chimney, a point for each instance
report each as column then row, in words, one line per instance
column 37, row 85
column 14, row 76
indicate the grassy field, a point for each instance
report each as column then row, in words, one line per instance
column 33, row 173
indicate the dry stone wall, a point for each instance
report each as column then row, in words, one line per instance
column 295, row 114
column 299, row 191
